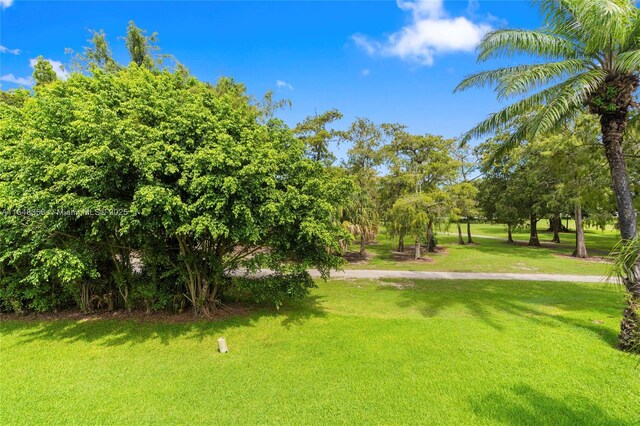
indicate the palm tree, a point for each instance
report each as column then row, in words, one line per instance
column 360, row 218
column 410, row 216
column 589, row 60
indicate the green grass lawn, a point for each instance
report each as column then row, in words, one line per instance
column 491, row 254
column 597, row 240
column 357, row 352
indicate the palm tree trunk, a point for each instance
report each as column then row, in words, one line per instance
column 469, row 240
column 509, row 234
column 460, row 239
column 363, row 248
column 533, row 237
column 613, row 127
column 581, row 247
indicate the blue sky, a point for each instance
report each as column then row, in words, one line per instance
column 385, row 60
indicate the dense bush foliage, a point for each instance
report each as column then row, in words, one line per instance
column 146, row 188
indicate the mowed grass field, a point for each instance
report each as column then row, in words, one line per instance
column 493, row 254
column 356, row 352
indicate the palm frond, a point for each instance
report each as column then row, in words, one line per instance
column 536, row 76
column 571, row 95
column 557, row 100
column 628, row 62
column 529, row 76
column 625, row 256
column 487, row 78
column 606, row 23
column 507, row 43
column 507, row 115
column 560, row 18
column 633, row 41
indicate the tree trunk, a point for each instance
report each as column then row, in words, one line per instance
column 401, row 243
column 363, row 249
column 509, row 234
column 533, row 237
column 613, row 127
column 469, row 240
column 556, row 224
column 460, row 239
column 581, row 247
column 416, row 253
column 431, row 241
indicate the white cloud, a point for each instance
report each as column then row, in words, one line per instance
column 421, row 8
column 472, row 8
column 431, row 32
column 5, row 3
column 56, row 65
column 365, row 72
column 22, row 81
column 283, row 84
column 364, row 43
column 4, row 49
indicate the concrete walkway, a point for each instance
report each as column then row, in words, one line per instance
column 432, row 275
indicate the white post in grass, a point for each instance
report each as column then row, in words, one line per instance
column 222, row 345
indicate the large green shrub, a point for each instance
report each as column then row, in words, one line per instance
column 142, row 188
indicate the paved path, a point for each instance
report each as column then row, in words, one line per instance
column 433, row 275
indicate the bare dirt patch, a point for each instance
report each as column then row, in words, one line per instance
column 408, row 256
column 400, row 286
column 409, row 253
column 356, row 258
column 522, row 267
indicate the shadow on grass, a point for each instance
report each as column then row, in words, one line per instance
column 504, row 249
column 596, row 245
column 545, row 303
column 384, row 251
column 116, row 332
column 522, row 404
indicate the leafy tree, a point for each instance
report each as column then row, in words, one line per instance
column 313, row 131
column 146, row 187
column 427, row 159
column 493, row 201
column 364, row 155
column 15, row 97
column 363, row 158
column 140, row 46
column 507, row 194
column 583, row 178
column 463, row 196
column 410, row 217
column 99, row 54
column 420, row 163
column 468, row 161
column 269, row 106
column 592, row 49
column 43, row 72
